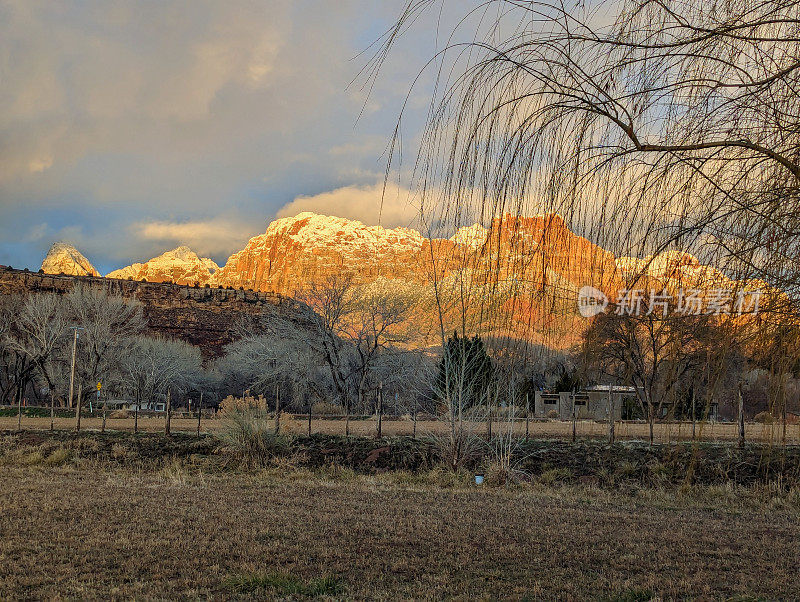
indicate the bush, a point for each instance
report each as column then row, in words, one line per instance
column 252, row 438
column 552, row 414
column 323, row 408
column 764, row 418
column 247, row 404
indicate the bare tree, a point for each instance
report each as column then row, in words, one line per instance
column 40, row 331
column 656, row 354
column 109, row 325
column 646, row 124
column 152, row 366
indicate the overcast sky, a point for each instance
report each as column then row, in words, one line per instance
column 128, row 128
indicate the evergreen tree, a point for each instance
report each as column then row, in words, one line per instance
column 465, row 369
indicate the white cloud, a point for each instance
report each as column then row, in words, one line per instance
column 209, row 237
column 391, row 207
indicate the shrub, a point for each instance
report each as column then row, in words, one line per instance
column 119, row 414
column 764, row 418
column 119, row 451
column 58, row 457
column 461, row 451
column 253, row 405
column 323, row 408
column 552, row 414
column 555, row 475
column 251, row 437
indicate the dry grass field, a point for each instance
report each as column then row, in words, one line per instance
column 81, row 531
column 664, row 432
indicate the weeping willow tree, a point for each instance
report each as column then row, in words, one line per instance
column 653, row 128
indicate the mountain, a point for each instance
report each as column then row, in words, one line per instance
column 181, row 266
column 522, row 274
column 63, row 258
column 517, row 276
column 296, row 251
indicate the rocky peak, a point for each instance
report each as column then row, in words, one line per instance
column 63, row 258
column 180, row 265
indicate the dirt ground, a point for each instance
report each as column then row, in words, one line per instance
column 664, row 432
column 72, row 532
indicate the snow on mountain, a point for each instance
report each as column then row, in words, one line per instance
column 297, row 250
column 180, row 265
column 63, row 258
column 673, row 268
column 471, row 236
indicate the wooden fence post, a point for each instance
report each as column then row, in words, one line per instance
column 414, row 416
column 527, row 416
column 277, row 410
column 78, row 410
column 380, row 409
column 574, row 422
column 19, row 410
column 168, row 412
column 199, row 412
column 741, row 417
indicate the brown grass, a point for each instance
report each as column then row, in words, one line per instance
column 179, row 533
column 664, row 432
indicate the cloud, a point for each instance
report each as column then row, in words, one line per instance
column 166, row 114
column 370, row 204
column 210, row 237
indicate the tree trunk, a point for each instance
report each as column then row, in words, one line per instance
column 136, row 413
column 694, row 416
column 610, row 414
column 52, row 409
column 310, row 407
column 651, row 419
column 346, row 419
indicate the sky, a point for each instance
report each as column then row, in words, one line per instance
column 129, row 128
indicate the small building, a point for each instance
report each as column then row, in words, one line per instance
column 144, row 406
column 591, row 403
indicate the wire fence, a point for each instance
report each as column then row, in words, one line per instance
column 371, row 425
